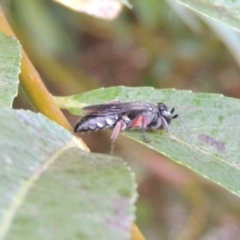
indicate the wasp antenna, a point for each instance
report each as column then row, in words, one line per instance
column 172, row 110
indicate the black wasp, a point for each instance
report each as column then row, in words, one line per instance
column 125, row 115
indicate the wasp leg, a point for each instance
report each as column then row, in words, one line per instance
column 144, row 136
column 144, row 126
column 141, row 122
column 166, row 128
column 120, row 126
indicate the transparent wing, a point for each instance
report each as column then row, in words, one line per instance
column 116, row 108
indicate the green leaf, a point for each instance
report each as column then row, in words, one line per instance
column 209, row 144
column 10, row 59
column 224, row 11
column 50, row 189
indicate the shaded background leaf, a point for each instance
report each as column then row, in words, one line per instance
column 224, row 11
column 51, row 189
column 10, row 57
column 227, row 35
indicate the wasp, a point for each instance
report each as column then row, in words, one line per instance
column 120, row 116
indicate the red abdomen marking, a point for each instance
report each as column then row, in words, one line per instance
column 139, row 122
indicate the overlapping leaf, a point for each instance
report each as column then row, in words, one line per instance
column 50, row 189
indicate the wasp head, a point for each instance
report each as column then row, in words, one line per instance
column 166, row 113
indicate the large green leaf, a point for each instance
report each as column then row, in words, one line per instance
column 10, row 58
column 225, row 11
column 209, row 144
column 50, row 189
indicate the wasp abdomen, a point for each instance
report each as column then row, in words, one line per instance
column 94, row 123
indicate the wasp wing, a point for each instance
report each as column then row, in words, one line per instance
column 116, row 108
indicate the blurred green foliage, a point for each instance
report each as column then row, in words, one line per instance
column 156, row 43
